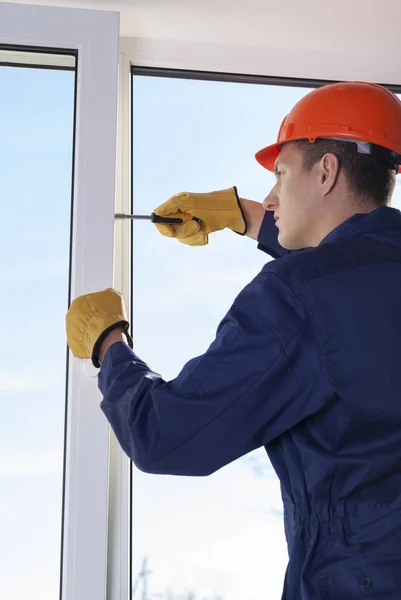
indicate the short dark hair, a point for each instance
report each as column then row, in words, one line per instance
column 368, row 176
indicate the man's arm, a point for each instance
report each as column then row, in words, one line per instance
column 262, row 227
column 254, row 214
column 260, row 377
column 116, row 335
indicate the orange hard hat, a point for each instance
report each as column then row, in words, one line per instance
column 364, row 112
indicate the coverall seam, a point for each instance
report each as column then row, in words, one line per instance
column 308, row 317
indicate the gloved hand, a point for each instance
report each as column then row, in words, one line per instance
column 90, row 318
column 215, row 210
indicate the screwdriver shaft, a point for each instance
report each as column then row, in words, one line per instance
column 123, row 216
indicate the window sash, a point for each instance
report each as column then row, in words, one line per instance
column 86, row 511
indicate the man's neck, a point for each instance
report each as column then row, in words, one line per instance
column 341, row 213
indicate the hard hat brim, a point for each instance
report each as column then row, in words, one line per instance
column 267, row 156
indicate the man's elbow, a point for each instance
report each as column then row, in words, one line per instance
column 178, row 465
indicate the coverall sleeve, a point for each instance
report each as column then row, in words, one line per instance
column 259, row 378
column 267, row 238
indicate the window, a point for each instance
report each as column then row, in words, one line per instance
column 235, row 544
column 37, row 125
column 220, row 537
column 396, row 200
column 37, row 164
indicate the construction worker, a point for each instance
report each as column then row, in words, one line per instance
column 307, row 361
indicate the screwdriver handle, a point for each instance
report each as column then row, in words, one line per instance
column 177, row 219
column 174, row 219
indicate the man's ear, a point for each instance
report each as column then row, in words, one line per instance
column 328, row 171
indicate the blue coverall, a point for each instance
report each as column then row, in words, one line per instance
column 307, row 363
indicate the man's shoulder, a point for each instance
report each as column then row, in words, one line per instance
column 305, row 266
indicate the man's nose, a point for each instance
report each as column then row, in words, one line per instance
column 271, row 201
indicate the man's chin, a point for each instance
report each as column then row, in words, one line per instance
column 287, row 243
column 284, row 241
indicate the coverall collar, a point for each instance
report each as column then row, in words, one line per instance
column 383, row 217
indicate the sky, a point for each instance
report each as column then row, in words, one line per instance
column 220, row 536
column 36, row 125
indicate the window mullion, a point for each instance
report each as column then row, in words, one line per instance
column 119, row 547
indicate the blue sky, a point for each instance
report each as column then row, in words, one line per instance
column 208, row 534
column 36, row 112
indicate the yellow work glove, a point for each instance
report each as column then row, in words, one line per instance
column 90, row 318
column 210, row 212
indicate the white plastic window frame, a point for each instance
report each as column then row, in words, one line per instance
column 95, row 553
column 96, row 545
column 296, row 65
column 291, row 66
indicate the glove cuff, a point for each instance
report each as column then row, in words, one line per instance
column 242, row 213
column 102, row 337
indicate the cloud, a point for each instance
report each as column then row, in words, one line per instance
column 27, row 271
column 34, row 377
column 30, row 464
column 33, row 585
column 276, row 512
column 259, row 465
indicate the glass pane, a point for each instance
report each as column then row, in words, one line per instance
column 219, row 537
column 396, row 201
column 36, row 124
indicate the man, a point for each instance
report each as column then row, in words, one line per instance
column 307, row 362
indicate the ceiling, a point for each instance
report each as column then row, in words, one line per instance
column 365, row 26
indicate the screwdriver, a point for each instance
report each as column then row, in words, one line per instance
column 183, row 218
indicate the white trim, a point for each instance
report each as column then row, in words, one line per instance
column 95, row 35
column 338, row 64
column 123, row 182
column 92, row 263
column 66, row 61
column 119, row 551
